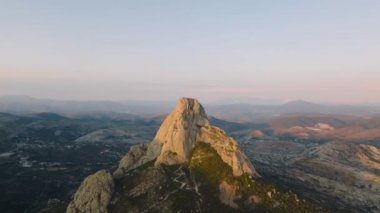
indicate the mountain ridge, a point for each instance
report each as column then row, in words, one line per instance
column 189, row 166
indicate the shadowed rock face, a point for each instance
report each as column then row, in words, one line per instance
column 133, row 159
column 227, row 194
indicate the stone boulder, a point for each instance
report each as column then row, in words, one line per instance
column 93, row 195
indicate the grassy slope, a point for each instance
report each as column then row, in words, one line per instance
column 208, row 167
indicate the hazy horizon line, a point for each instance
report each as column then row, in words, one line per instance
column 225, row 101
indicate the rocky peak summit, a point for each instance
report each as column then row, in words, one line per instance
column 179, row 131
column 189, row 166
column 186, row 125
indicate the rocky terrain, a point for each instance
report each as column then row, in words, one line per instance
column 190, row 166
column 330, row 160
column 339, row 175
column 45, row 156
column 328, row 127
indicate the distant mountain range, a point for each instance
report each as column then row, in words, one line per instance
column 260, row 113
column 26, row 104
column 231, row 112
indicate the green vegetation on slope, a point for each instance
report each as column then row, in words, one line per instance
column 206, row 161
column 207, row 166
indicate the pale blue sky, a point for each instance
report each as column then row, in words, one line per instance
column 315, row 50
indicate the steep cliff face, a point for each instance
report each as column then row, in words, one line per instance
column 189, row 124
column 189, row 166
column 136, row 157
column 183, row 127
column 179, row 131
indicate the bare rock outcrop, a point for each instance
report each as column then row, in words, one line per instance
column 227, row 194
column 183, row 127
column 94, row 194
column 178, row 133
column 133, row 159
column 188, row 124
